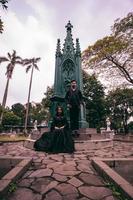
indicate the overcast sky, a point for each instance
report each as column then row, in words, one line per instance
column 32, row 27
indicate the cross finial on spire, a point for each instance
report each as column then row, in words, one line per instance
column 69, row 26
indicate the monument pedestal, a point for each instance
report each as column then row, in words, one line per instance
column 88, row 139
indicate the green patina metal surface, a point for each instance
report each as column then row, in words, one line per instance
column 67, row 68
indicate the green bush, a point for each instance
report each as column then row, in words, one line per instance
column 130, row 127
column 1, row 128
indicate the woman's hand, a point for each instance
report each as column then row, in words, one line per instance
column 62, row 127
column 56, row 128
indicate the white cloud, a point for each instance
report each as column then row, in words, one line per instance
column 30, row 39
column 34, row 34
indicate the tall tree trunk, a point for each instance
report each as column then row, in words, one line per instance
column 27, row 107
column 4, row 99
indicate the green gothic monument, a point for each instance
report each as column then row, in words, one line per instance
column 67, row 68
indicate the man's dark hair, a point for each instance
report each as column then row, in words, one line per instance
column 73, row 81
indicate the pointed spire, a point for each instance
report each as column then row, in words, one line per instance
column 78, row 51
column 68, row 45
column 69, row 26
column 58, row 49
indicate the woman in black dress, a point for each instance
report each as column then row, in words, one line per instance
column 59, row 139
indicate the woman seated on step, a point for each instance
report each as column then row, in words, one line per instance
column 59, row 139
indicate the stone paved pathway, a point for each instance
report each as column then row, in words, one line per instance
column 63, row 176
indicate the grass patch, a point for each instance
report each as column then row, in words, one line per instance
column 115, row 190
column 12, row 138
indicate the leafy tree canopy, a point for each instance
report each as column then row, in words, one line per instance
column 113, row 55
column 3, row 3
column 120, row 107
column 10, row 118
column 94, row 93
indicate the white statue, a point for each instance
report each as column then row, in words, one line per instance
column 35, row 125
column 108, row 124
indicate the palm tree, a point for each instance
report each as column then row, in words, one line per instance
column 4, row 6
column 31, row 64
column 12, row 60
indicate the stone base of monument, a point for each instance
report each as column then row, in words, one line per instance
column 89, row 134
column 34, row 135
column 80, row 145
column 87, row 140
column 29, row 143
column 93, row 144
column 108, row 134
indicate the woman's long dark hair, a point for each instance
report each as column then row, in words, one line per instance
column 57, row 111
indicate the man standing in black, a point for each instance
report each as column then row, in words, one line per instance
column 74, row 99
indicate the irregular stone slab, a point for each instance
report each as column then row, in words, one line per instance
column 65, row 169
column 50, row 186
column 24, row 194
column 38, row 160
column 47, row 161
column 41, row 173
column 87, row 162
column 54, row 165
column 40, row 184
column 27, row 174
column 110, row 198
column 42, row 166
column 84, row 168
column 91, row 179
column 67, row 190
column 25, row 182
column 66, row 173
column 70, row 197
column 75, row 182
column 95, row 193
column 59, row 177
column 53, row 195
column 71, row 163
column 56, row 157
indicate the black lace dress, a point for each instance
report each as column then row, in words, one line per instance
column 58, row 140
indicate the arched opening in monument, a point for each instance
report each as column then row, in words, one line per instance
column 68, row 71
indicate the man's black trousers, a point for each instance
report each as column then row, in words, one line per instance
column 74, row 117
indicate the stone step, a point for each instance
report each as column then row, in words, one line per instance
column 34, row 136
column 79, row 145
column 82, row 136
column 88, row 130
column 29, row 143
column 89, row 136
column 37, row 134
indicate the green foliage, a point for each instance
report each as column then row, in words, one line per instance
column 1, row 26
column 19, row 110
column 115, row 190
column 12, row 187
column 120, row 107
column 4, row 6
column 38, row 113
column 48, row 94
column 95, row 104
column 114, row 52
column 3, row 3
column 1, row 128
column 123, row 25
column 46, row 102
column 104, row 48
column 10, row 118
column 130, row 127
